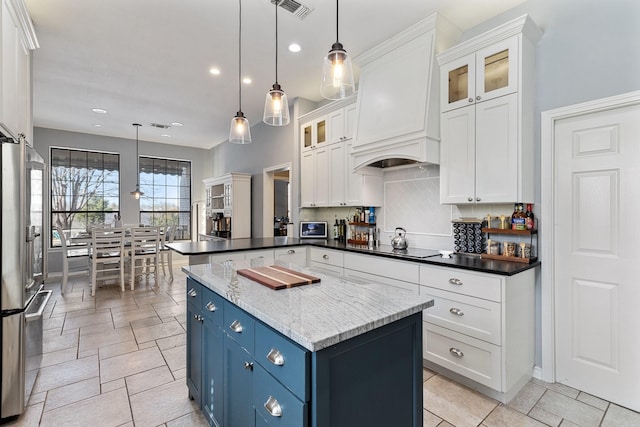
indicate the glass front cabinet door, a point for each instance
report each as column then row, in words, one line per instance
column 480, row 76
column 313, row 134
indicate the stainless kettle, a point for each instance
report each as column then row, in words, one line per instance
column 399, row 241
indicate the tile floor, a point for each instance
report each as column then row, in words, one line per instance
column 119, row 360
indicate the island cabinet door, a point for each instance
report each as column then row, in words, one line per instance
column 194, row 352
column 212, row 373
column 238, row 385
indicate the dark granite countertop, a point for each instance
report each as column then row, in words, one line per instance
column 465, row 262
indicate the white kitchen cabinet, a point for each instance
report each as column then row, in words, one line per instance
column 329, row 260
column 481, row 330
column 487, row 82
column 314, row 176
column 396, row 273
column 313, row 134
column 230, row 195
column 341, row 123
column 363, row 188
column 296, row 255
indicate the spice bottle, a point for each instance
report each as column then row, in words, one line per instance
column 529, row 219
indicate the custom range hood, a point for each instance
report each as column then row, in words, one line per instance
column 398, row 107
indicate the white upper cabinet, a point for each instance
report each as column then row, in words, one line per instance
column 314, row 134
column 487, row 96
column 341, row 123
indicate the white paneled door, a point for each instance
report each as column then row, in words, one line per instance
column 597, row 254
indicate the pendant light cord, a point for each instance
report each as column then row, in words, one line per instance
column 337, row 10
column 240, row 56
column 276, row 41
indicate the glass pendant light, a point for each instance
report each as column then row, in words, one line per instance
column 276, row 105
column 137, row 193
column 337, row 73
column 240, row 131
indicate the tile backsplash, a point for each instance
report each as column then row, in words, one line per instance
column 412, row 201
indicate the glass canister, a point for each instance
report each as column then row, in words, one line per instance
column 524, row 250
column 493, row 247
column 509, row 249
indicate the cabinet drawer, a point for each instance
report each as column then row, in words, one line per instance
column 273, row 402
column 471, row 316
column 262, row 253
column 362, row 276
column 327, row 268
column 297, row 255
column 475, row 359
column 398, row 270
column 286, row 361
column 325, row 256
column 227, row 256
column 239, row 325
column 194, row 293
column 455, row 280
column 212, row 306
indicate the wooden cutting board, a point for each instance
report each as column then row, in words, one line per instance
column 276, row 277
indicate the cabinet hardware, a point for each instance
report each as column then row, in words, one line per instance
column 274, row 356
column 456, row 311
column 477, row 199
column 470, row 99
column 325, row 256
column 236, row 326
column 192, row 293
column 211, row 306
column 198, row 317
column 454, row 281
column 248, row 366
column 273, row 407
column 469, row 199
column 456, row 352
column 478, row 98
column 291, row 252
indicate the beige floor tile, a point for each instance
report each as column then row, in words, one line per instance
column 59, row 342
column 113, row 385
column 60, row 356
column 593, row 401
column 172, row 341
column 503, row 416
column 130, row 364
column 30, row 417
column 175, row 404
column 429, row 419
column 72, row 393
column 66, row 373
column 125, row 317
column 111, row 409
column 426, row 374
column 132, row 306
column 566, row 423
column 192, row 419
column 176, row 357
column 97, row 329
column 92, row 341
column 620, row 417
column 545, row 417
column 152, row 299
column 53, row 323
column 149, row 321
column 84, row 313
column 180, row 373
column 172, row 311
column 148, row 379
column 527, row 397
column 570, row 409
column 155, row 332
column 558, row 388
column 36, row 398
column 455, row 403
column 117, row 349
column 87, row 353
column 147, row 344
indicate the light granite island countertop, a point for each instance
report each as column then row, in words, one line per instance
column 317, row 315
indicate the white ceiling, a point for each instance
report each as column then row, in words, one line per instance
column 148, row 61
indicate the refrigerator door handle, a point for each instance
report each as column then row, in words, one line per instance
column 43, row 303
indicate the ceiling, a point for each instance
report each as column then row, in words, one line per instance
column 148, row 61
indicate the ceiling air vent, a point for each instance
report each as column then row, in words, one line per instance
column 296, row 8
column 158, row 125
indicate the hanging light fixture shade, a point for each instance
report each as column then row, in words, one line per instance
column 240, row 131
column 337, row 72
column 137, row 193
column 276, row 105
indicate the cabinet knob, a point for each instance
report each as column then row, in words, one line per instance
column 456, row 311
column 478, row 98
column 236, row 326
column 470, row 99
column 274, row 356
column 198, row 317
column 454, row 281
column 456, row 352
column 192, row 293
column 478, row 199
column 211, row 306
column 273, row 407
column 469, row 199
column 325, row 256
column 291, row 251
column 248, row 366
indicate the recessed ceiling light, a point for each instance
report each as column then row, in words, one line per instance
column 176, row 124
column 294, row 47
column 246, row 80
column 165, row 135
column 97, row 125
column 99, row 111
column 215, row 71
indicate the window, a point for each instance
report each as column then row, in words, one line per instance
column 166, row 185
column 85, row 190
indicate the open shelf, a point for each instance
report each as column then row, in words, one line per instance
column 509, row 231
column 509, row 258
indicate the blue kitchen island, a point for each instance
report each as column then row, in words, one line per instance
column 334, row 353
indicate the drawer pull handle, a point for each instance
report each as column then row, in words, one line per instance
column 325, row 256
column 454, row 281
column 291, row 252
column 236, row 326
column 211, row 306
column 248, row 366
column 456, row 311
column 192, row 293
column 274, row 356
column 456, row 352
column 273, row 407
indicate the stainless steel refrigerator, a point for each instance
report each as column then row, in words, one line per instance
column 22, row 298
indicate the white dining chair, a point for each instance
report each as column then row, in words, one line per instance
column 166, row 254
column 70, row 254
column 145, row 243
column 108, row 255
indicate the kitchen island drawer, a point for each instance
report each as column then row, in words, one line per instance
column 285, row 360
column 212, row 306
column 399, row 270
column 327, row 256
column 479, row 285
column 475, row 359
column 475, row 317
column 194, row 293
column 275, row 404
column 239, row 325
